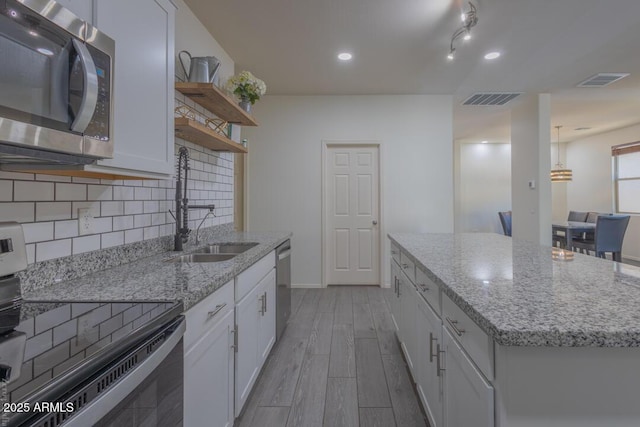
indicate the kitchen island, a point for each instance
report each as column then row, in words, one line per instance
column 510, row 333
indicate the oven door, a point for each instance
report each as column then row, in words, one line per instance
column 49, row 84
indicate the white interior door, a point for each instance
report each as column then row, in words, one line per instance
column 352, row 232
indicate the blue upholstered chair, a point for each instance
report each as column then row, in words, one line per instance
column 505, row 220
column 608, row 236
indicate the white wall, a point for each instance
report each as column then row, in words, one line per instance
column 484, row 187
column 591, row 188
column 284, row 165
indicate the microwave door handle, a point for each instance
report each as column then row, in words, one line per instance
column 90, row 89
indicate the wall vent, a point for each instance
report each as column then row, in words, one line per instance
column 492, row 98
column 602, row 79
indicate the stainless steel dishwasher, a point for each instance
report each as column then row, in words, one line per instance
column 283, row 290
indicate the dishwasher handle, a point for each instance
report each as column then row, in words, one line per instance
column 284, row 254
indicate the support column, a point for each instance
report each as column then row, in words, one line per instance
column 530, row 167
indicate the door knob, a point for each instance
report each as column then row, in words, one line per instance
column 375, row 222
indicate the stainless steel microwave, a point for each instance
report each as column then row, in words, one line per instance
column 56, row 86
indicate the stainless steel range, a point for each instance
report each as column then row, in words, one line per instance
column 85, row 364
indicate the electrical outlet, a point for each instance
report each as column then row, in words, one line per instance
column 85, row 221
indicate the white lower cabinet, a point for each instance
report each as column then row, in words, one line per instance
column 408, row 308
column 208, row 365
column 209, row 361
column 469, row 398
column 428, row 381
column 255, row 324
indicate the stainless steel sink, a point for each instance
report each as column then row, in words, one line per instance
column 202, row 258
column 230, row 248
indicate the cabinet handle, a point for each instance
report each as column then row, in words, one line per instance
column 454, row 326
column 405, row 266
column 431, row 340
column 234, row 346
column 265, row 301
column 424, row 287
column 262, row 305
column 216, row 310
column 439, row 368
column 395, row 285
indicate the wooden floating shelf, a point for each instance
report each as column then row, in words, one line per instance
column 198, row 133
column 214, row 100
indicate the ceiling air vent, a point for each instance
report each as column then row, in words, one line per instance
column 602, row 79
column 494, row 98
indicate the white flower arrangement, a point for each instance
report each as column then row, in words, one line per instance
column 247, row 86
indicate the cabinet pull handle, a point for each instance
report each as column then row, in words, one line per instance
column 216, row 310
column 405, row 266
column 424, row 287
column 262, row 305
column 265, row 301
column 431, row 340
column 454, row 326
column 395, row 285
column 439, row 368
column 234, row 346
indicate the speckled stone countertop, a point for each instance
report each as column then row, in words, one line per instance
column 154, row 279
column 517, row 293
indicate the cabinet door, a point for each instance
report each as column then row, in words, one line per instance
column 267, row 319
column 428, row 383
column 143, row 82
column 407, row 324
column 208, row 377
column 394, row 298
column 247, row 368
column 468, row 396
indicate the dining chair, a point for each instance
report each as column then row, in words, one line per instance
column 505, row 220
column 559, row 238
column 608, row 237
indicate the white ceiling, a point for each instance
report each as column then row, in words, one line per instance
column 400, row 47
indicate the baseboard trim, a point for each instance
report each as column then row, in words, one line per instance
column 306, row 285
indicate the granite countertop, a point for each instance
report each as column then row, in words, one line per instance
column 154, row 279
column 518, row 294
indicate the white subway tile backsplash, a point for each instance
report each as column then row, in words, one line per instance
column 21, row 212
column 134, row 235
column 124, row 211
column 6, row 191
column 49, row 211
column 122, row 222
column 66, row 229
column 37, row 232
column 112, row 239
column 99, row 192
column 86, row 244
column 54, row 249
column 112, row 208
column 32, row 191
column 71, row 191
column 102, row 225
column 136, row 207
column 122, row 193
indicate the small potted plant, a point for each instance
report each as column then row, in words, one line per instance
column 247, row 87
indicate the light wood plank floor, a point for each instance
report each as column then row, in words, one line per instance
column 338, row 364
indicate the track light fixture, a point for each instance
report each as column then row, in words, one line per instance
column 469, row 20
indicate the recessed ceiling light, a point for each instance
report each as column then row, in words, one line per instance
column 492, row 55
column 33, row 33
column 467, row 36
column 344, row 56
column 484, row 142
column 450, row 56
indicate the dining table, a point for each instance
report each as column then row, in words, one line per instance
column 570, row 228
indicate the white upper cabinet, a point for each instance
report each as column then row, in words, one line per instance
column 143, row 83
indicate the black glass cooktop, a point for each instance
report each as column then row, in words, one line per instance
column 53, row 338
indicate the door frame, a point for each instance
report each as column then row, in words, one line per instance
column 326, row 144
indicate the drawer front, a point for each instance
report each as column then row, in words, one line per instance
column 204, row 315
column 249, row 278
column 429, row 290
column 473, row 339
column 395, row 253
column 408, row 267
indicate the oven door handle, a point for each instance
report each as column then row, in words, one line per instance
column 90, row 88
column 98, row 408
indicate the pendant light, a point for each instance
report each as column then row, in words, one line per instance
column 560, row 174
